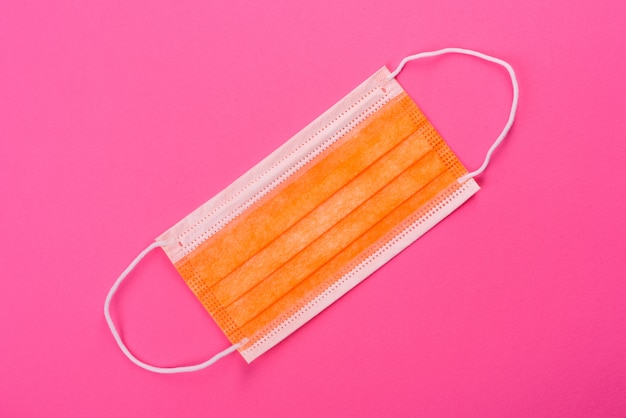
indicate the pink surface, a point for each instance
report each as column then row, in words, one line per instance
column 119, row 118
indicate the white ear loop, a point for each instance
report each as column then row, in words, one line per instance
column 126, row 351
column 485, row 57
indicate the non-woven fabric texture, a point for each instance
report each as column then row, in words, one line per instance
column 318, row 215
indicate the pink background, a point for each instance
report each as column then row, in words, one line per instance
column 118, row 118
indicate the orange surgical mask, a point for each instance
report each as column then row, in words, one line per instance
column 317, row 216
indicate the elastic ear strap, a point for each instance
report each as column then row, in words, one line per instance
column 126, row 351
column 485, row 57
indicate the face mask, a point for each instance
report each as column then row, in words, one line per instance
column 317, row 216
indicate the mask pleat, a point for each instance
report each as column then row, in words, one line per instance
column 322, row 277
column 278, row 211
column 297, row 240
column 319, row 221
